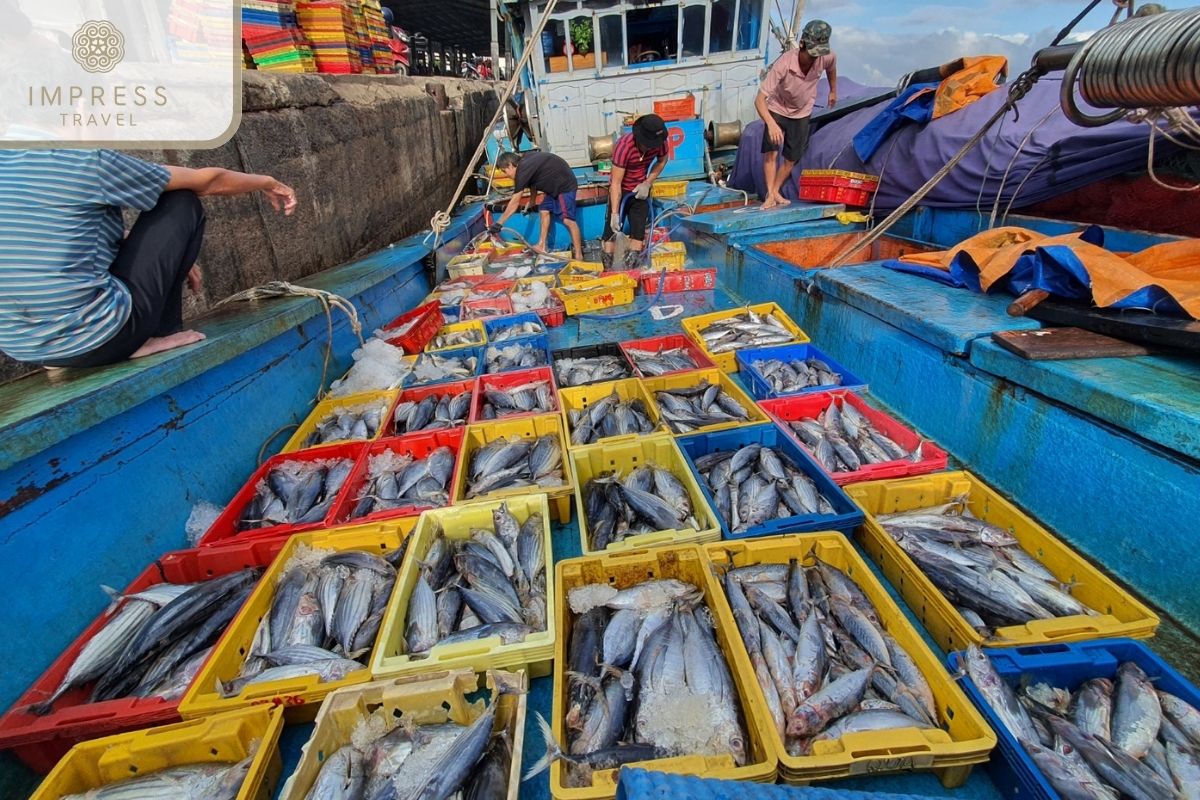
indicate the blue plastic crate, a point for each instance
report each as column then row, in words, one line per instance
column 539, row 341
column 493, row 324
column 641, row 784
column 761, row 390
column 457, row 352
column 451, row 314
column 1065, row 666
column 846, row 517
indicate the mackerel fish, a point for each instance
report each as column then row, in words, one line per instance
column 518, row 355
column 843, row 440
column 756, row 484
column 747, row 329
column 658, row 686
column 1112, row 737
column 690, row 408
column 609, row 416
column 325, row 613
column 582, row 371
column 397, row 480
column 512, row 462
column 432, row 412
column 821, row 658
column 787, row 376
column 489, row 583
column 210, row 781
column 647, row 499
column 981, row 567
column 448, row 365
column 295, row 492
column 348, row 423
column 662, row 361
column 462, row 338
column 516, row 330
column 534, row 397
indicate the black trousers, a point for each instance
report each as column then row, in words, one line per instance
column 632, row 209
column 795, row 137
column 153, row 263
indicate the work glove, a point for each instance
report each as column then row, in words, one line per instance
column 642, row 191
column 495, row 228
column 615, row 222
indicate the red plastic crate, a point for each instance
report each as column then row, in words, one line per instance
column 419, row 335
column 688, row 280
column 487, row 308
column 418, row 445
column 674, row 341
column 493, row 283
column 502, row 381
column 838, row 186
column 224, row 530
column 41, row 741
column 789, row 409
column 552, row 315
column 675, row 110
column 419, row 393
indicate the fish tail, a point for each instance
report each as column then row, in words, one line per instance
column 114, row 598
column 553, row 751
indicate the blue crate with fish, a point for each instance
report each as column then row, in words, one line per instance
column 644, row 784
column 802, row 369
column 816, row 502
column 501, row 330
column 446, row 366
column 1083, row 666
column 529, row 352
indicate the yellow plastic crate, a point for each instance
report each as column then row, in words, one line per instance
column 229, row 737
column 459, row 327
column 523, row 284
column 1121, row 615
column 669, row 256
column 331, row 405
column 580, row 271
column 578, row 398
column 964, row 738
column 669, row 189
column 467, row 264
column 622, row 570
column 609, row 291
column 588, row 462
column 429, row 699
column 389, row 659
column 727, row 361
column 300, row 697
column 678, row 380
column 481, row 433
column 499, row 179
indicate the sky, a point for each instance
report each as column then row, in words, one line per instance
column 878, row 41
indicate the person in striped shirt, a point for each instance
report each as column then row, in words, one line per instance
column 638, row 159
column 77, row 290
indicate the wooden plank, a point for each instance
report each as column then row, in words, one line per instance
column 1135, row 326
column 1061, row 343
column 752, row 217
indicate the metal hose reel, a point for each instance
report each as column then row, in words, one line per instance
column 600, row 148
column 1148, row 62
column 723, row 134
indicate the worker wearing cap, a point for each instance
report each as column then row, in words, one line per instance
column 638, row 159
column 552, row 177
column 785, row 102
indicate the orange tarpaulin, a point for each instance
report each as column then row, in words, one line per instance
column 1173, row 267
column 971, row 79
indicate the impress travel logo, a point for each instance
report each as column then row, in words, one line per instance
column 154, row 74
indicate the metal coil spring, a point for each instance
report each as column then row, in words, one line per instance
column 1146, row 62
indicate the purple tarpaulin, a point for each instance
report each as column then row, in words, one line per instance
column 1061, row 156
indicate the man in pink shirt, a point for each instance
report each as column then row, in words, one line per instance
column 785, row 102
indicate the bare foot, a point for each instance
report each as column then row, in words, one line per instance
column 769, row 203
column 782, row 201
column 160, row 344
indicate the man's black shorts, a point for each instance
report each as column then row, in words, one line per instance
column 795, row 137
column 638, row 214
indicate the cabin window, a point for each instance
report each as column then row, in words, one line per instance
column 554, row 41
column 692, row 38
column 612, row 40
column 749, row 24
column 720, row 35
column 652, row 34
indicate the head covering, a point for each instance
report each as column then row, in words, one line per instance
column 815, row 38
column 649, row 132
column 387, row 15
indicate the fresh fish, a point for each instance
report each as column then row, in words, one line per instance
column 448, row 365
column 652, row 363
column 516, row 330
column 433, row 412
column 694, row 407
column 645, row 500
column 519, row 355
column 534, row 397
column 204, row 781
column 795, row 375
column 747, row 329
column 1136, row 713
column 610, row 416
column 461, row 338
column 395, row 480
column 582, row 371
column 295, row 493
column 342, row 423
column 843, row 440
column 513, row 462
column 341, row 776
column 764, row 485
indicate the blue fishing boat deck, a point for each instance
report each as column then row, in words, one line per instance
column 1102, row 451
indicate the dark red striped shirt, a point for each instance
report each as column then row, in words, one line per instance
column 636, row 163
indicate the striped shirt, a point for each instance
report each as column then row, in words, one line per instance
column 60, row 228
column 636, row 163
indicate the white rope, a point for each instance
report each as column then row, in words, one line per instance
column 328, row 300
column 1150, row 168
column 441, row 220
